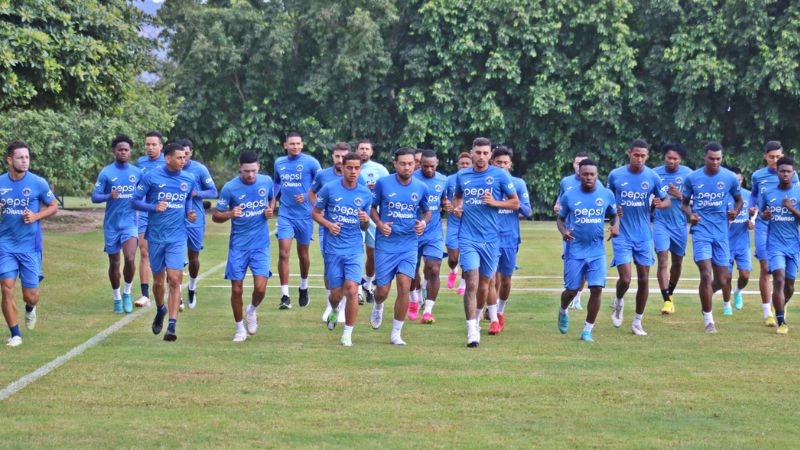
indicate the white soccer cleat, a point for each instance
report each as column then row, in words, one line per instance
column 14, row 341
column 251, row 318
column 346, row 341
column 328, row 311
column 638, row 330
column 143, row 302
column 340, row 318
column 240, row 336
column 473, row 337
column 616, row 316
column 30, row 319
column 396, row 339
column 376, row 319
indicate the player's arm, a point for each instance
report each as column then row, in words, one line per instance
column 737, row 207
column 98, row 192
column 319, row 216
column 511, row 202
column 47, row 211
column 525, row 203
column 613, row 222
column 188, row 206
column 208, row 186
column 363, row 215
column 139, row 198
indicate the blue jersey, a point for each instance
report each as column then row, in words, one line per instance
column 586, row 212
column 672, row 217
column 176, row 189
column 144, row 163
column 293, row 176
column 569, row 183
column 324, row 177
column 452, row 219
column 708, row 194
column 437, row 189
column 402, row 205
column 738, row 231
column 371, row 172
column 763, row 179
column 250, row 231
column 782, row 234
column 479, row 220
column 205, row 189
column 122, row 178
column 508, row 221
column 341, row 205
column 632, row 193
column 28, row 193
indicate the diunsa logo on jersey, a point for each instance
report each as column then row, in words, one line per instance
column 414, row 197
column 26, row 192
column 645, row 185
column 720, row 185
column 489, row 180
column 599, row 202
column 358, row 201
column 132, row 178
column 262, row 192
column 184, row 187
column 300, row 168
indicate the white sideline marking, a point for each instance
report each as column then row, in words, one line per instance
column 18, row 385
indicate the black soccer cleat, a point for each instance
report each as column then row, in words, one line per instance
column 304, row 301
column 158, row 321
column 286, row 303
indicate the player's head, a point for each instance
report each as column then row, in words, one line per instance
column 785, row 166
column 464, row 161
column 18, row 156
column 404, row 162
column 587, row 171
column 428, row 163
column 637, row 153
column 121, row 146
column 351, row 167
column 364, row 150
column 580, row 156
column 736, row 171
column 293, row 143
column 175, row 156
column 188, row 147
column 674, row 153
column 773, row 151
column 248, row 166
column 338, row 152
column 712, row 155
column 481, row 153
column 501, row 157
column 153, row 142
column 417, row 157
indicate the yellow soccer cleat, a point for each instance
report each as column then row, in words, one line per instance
column 770, row 322
column 669, row 308
column 783, row 329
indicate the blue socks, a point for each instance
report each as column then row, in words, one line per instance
column 780, row 317
column 14, row 330
column 171, row 325
column 145, row 289
column 28, row 308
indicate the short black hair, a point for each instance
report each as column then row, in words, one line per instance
column 771, row 146
column 186, row 143
column 121, row 138
column 364, row 141
column 403, row 151
column 154, row 134
column 639, row 143
column 735, row 170
column 581, row 155
column 248, row 157
column 428, row 154
column 341, row 146
column 14, row 145
column 292, row 134
column 502, row 150
column 785, row 160
column 418, row 150
column 587, row 162
column 481, row 142
column 674, row 147
column 171, row 147
column 712, row 147
column 351, row 156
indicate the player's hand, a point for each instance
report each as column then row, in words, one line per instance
column 694, row 219
column 162, row 206
column 363, row 217
column 334, row 228
column 447, row 206
column 750, row 225
column 557, row 208
column 613, row 231
column 787, row 202
column 300, row 198
column 268, row 212
column 386, row 228
column 675, row 191
column 29, row 216
column 488, row 198
column 567, row 235
column 732, row 215
column 657, row 202
column 419, row 227
column 458, row 211
column 619, row 211
column 766, row 214
column 194, row 193
column 752, row 211
column 191, row 215
column 114, row 194
column 237, row 211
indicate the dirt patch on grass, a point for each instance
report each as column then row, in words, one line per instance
column 74, row 221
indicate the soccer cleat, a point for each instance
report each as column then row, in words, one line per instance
column 783, row 329
column 303, row 300
column 711, row 328
column 14, row 341
column 428, row 319
column 726, row 309
column 170, row 335
column 181, row 307
column 738, row 301
column 502, row 319
column 616, row 316
column 117, row 306
column 360, row 298
column 327, row 312
column 127, row 304
column 576, row 304
column 346, row 341
column 376, row 319
column 251, row 320
column 30, row 319
column 413, row 311
column 461, row 292
column 369, row 294
column 332, row 319
column 143, row 302
column 494, row 328
column 563, row 322
column 668, row 308
column 192, row 299
column 770, row 322
column 240, row 336
column 473, row 339
column 158, row 322
column 586, row 336
column 451, row 280
column 286, row 303
column 396, row 339
column 638, row 330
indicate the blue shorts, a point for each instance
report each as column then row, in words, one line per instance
column 451, row 236
column 141, row 221
column 717, row 251
column 507, row 262
column 341, row 268
column 432, row 248
column 169, row 255
column 670, row 238
column 369, row 234
column 194, row 238
column 299, row 229
column 788, row 263
column 742, row 258
column 115, row 238
column 389, row 264
column 625, row 251
column 761, row 240
column 239, row 260
column 27, row 265
column 593, row 270
column 478, row 255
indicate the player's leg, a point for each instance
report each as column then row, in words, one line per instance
column 174, row 280
column 237, row 305
column 158, row 296
column 727, row 290
column 788, row 275
column 661, row 242
column 385, row 271
column 642, row 291
column 304, row 230
column 406, row 264
column 194, row 270
column 505, row 268
column 128, row 271
column 414, row 297
column 594, row 272
column 623, row 257
column 144, row 271
column 284, row 249
column 431, row 273
column 706, row 291
column 30, row 273
column 10, row 307
column 778, row 294
column 351, row 288
column 114, row 278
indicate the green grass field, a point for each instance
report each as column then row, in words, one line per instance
column 293, row 385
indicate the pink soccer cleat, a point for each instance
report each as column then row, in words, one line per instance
column 413, row 311
column 428, row 319
column 451, row 280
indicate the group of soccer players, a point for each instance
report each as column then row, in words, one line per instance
column 719, row 214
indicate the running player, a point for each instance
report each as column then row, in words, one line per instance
column 245, row 200
column 152, row 159
column 477, row 198
column 195, row 231
column 706, row 207
column 293, row 176
column 166, row 194
column 115, row 186
column 762, row 180
column 418, row 158
column 739, row 243
column 371, row 172
column 400, row 212
column 341, row 208
column 25, row 199
column 670, row 234
column 632, row 186
column 431, row 243
column 585, row 252
column 453, row 224
column 779, row 208
column 510, row 240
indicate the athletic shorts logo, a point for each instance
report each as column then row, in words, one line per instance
column 184, row 187
column 262, row 192
column 300, row 168
column 358, row 201
column 438, row 188
column 679, row 180
column 26, row 192
column 414, row 197
column 599, row 202
column 645, row 185
column 489, row 180
column 720, row 185
column 132, row 178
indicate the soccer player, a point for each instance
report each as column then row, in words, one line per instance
column 778, row 207
column 508, row 223
column 166, row 194
column 152, row 159
column 400, row 212
column 195, row 231
column 245, row 201
column 115, row 186
column 632, row 186
column 453, row 225
column 293, row 176
column 418, row 158
column 706, row 207
column 739, row 243
column 371, row 172
column 431, row 243
column 670, row 235
column 25, row 199
column 585, row 252
column 477, row 198
column 762, row 180
column 341, row 208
